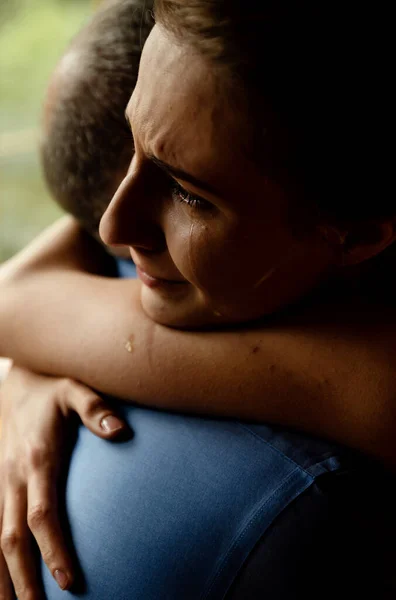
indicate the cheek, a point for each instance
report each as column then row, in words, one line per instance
column 224, row 256
column 197, row 245
column 208, row 254
column 189, row 245
column 205, row 254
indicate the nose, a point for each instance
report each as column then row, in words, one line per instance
column 133, row 216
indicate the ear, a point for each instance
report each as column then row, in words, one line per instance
column 366, row 240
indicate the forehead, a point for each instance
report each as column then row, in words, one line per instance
column 180, row 110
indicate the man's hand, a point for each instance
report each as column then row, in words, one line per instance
column 33, row 411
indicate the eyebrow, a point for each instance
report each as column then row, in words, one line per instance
column 178, row 173
column 183, row 175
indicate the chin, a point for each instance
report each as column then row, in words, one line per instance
column 187, row 312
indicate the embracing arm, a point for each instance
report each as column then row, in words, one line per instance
column 335, row 380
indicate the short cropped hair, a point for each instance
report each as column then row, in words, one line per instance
column 87, row 143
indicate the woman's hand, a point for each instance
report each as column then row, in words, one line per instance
column 33, row 413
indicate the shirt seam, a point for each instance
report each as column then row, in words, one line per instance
column 254, row 517
column 274, row 448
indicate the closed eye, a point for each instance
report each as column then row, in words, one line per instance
column 182, row 195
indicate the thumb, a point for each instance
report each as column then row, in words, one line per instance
column 110, row 425
column 95, row 413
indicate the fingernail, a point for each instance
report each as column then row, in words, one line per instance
column 61, row 579
column 110, row 424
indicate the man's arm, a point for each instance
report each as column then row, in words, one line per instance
column 335, row 379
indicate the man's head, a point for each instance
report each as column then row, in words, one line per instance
column 86, row 144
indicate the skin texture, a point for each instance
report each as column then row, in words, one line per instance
column 239, row 231
column 237, row 260
column 327, row 367
column 29, row 443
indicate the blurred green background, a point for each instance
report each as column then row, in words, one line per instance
column 33, row 35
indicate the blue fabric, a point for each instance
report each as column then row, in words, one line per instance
column 126, row 269
column 176, row 511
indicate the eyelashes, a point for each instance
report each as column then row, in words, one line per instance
column 181, row 195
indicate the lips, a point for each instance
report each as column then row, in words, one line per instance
column 153, row 281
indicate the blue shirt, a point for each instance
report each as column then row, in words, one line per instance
column 193, row 508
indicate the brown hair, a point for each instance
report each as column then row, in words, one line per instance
column 315, row 81
column 88, row 142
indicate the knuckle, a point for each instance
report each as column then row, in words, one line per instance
column 25, row 592
column 50, row 556
column 36, row 454
column 11, row 540
column 89, row 403
column 9, row 468
column 47, row 555
column 64, row 387
column 66, row 383
column 38, row 515
column 93, row 404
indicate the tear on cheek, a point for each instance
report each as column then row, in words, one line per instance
column 198, row 253
column 191, row 261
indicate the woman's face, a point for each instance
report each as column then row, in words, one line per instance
column 207, row 229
